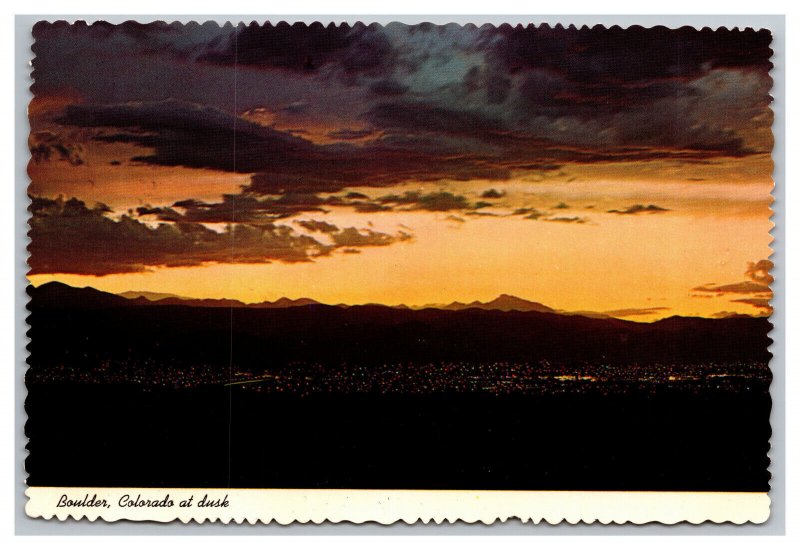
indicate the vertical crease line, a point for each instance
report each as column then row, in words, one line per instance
column 233, row 250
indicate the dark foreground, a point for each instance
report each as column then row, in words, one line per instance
column 124, row 394
column 107, row 435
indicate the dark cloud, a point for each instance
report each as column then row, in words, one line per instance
column 162, row 213
column 347, row 134
column 496, row 85
column 640, row 208
column 202, row 137
column 699, row 153
column 588, row 56
column 367, row 207
column 634, row 312
column 69, row 237
column 351, row 237
column 47, row 145
column 531, row 214
column 760, row 303
column 105, row 63
column 431, row 118
column 760, row 271
column 254, row 209
column 300, row 47
column 388, row 87
column 317, row 226
column 556, row 95
column 240, row 208
column 291, row 203
column 757, row 286
column 727, row 315
column 441, row 201
column 745, row 287
column 148, row 38
column 481, row 214
column 561, row 206
column 185, row 134
column 644, row 87
column 564, row 219
column 492, row 194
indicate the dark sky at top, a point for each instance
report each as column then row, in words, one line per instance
column 376, row 106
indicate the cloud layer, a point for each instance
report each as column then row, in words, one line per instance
column 69, row 237
column 320, row 108
column 640, row 209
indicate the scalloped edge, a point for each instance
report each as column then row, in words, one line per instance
column 758, row 514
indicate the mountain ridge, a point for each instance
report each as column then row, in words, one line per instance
column 504, row 302
column 60, row 295
column 88, row 321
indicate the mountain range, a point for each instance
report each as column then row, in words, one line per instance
column 89, row 322
column 504, row 302
column 87, row 296
column 58, row 294
column 160, row 298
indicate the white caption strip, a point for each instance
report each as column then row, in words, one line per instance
column 387, row 506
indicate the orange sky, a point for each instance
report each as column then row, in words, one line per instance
column 609, row 262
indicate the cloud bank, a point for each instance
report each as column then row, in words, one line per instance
column 67, row 236
column 320, row 108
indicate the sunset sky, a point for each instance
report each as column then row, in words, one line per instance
column 607, row 170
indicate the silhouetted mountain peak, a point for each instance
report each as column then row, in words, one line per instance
column 507, row 302
column 286, row 302
column 200, row 302
column 504, row 302
column 152, row 296
column 59, row 295
column 164, row 299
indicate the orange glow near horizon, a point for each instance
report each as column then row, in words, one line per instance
column 611, row 262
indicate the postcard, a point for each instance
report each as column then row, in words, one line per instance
column 361, row 272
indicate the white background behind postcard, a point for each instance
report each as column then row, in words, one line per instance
column 10, row 245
